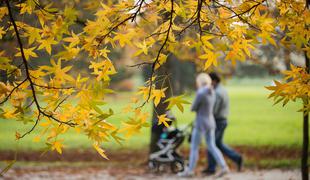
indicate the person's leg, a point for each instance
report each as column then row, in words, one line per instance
column 194, row 151
column 211, row 161
column 215, row 152
column 226, row 150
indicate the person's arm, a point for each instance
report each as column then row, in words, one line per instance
column 217, row 105
column 196, row 102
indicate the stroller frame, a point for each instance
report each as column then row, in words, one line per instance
column 167, row 152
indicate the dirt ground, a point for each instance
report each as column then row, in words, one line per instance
column 132, row 165
column 119, row 174
column 76, row 155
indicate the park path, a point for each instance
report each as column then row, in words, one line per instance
column 69, row 173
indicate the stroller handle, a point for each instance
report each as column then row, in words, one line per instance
column 189, row 125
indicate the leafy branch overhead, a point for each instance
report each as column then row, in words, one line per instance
column 59, row 99
column 296, row 87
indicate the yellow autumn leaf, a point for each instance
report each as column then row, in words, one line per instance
column 158, row 94
column 115, row 136
column 4, row 89
column 176, row 101
column 100, row 150
column 143, row 48
column 123, row 39
column 73, row 40
column 47, row 44
column 27, row 52
column 104, row 52
column 144, row 91
column 36, row 139
column 210, row 57
column 161, row 60
column 57, row 145
column 162, row 119
column 131, row 127
column 17, row 135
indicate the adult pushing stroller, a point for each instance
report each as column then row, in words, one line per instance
column 167, row 150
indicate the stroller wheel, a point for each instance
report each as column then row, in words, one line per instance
column 153, row 166
column 177, row 166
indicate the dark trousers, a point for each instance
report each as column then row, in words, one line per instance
column 221, row 125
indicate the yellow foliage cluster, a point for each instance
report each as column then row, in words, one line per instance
column 58, row 99
column 296, row 86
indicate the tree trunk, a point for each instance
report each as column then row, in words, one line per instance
column 305, row 147
column 160, row 109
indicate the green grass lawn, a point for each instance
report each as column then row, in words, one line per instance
column 253, row 121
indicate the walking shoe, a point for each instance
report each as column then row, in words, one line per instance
column 223, row 172
column 186, row 173
column 207, row 172
column 240, row 164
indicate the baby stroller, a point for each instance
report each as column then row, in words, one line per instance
column 167, row 153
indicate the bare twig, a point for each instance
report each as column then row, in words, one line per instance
column 51, row 87
column 62, row 101
column 11, row 92
column 140, row 64
column 35, row 124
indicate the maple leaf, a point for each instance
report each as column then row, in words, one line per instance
column 176, row 101
column 57, row 145
column 131, row 127
column 206, row 43
column 33, row 34
column 123, row 39
column 73, row 40
column 100, row 150
column 211, row 58
column 107, row 70
column 144, row 91
column 26, row 7
column 59, row 72
column 162, row 119
column 69, row 53
column 47, row 44
column 116, row 137
column 142, row 117
column 28, row 53
column 293, row 73
column 104, row 52
column 143, row 48
column 157, row 94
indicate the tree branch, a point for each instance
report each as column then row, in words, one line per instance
column 238, row 15
column 28, row 76
column 156, row 61
column 11, row 92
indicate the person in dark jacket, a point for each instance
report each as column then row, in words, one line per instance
column 220, row 112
